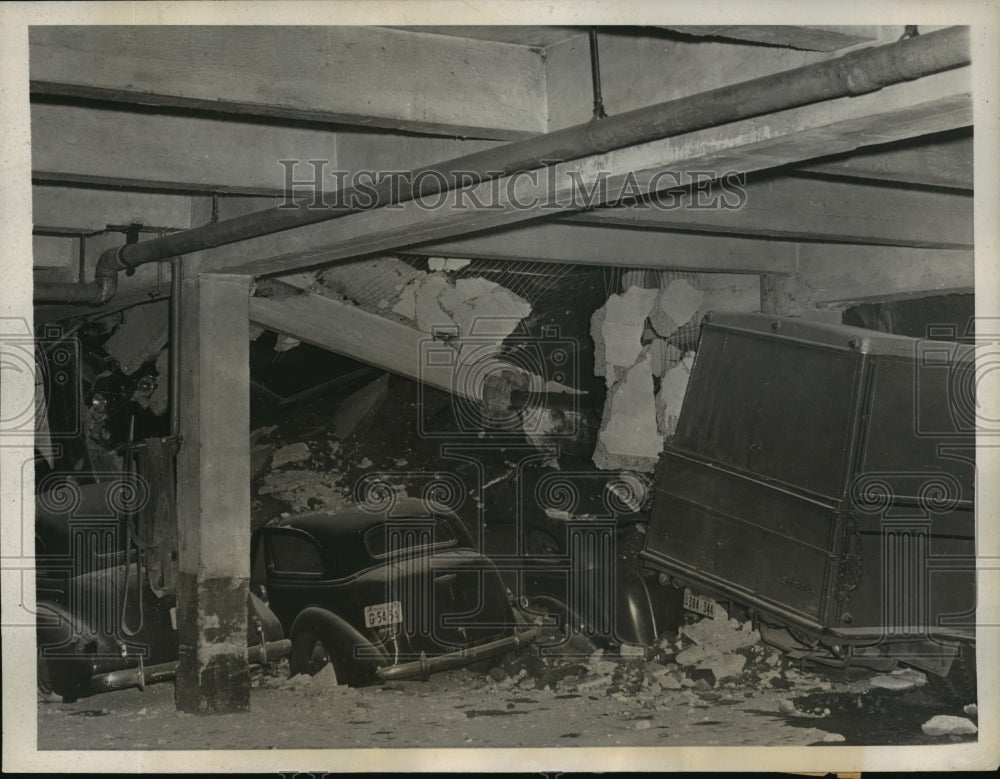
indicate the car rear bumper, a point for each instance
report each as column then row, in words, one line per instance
column 140, row 675
column 427, row 665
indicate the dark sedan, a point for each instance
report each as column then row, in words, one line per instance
column 383, row 595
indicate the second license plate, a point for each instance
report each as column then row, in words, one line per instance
column 699, row 604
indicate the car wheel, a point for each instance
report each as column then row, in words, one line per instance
column 310, row 655
column 44, row 682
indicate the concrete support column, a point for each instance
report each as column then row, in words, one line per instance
column 213, row 495
column 773, row 294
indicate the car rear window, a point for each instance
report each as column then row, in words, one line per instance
column 401, row 535
column 292, row 553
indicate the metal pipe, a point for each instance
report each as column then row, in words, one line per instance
column 857, row 72
column 176, row 268
column 82, row 259
column 595, row 76
column 427, row 665
column 136, row 677
column 95, row 293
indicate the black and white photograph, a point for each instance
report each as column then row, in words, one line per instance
column 519, row 386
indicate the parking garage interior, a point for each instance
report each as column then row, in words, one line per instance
column 286, row 271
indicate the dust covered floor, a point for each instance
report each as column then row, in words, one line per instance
column 526, row 701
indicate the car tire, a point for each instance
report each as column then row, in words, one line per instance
column 320, row 637
column 44, row 683
column 310, row 654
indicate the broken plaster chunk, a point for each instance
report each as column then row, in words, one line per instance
column 484, row 308
column 663, row 356
column 670, row 398
column 726, row 666
column 324, row 681
column 629, row 439
column 617, row 328
column 676, row 304
column 406, row 306
column 429, row 313
column 285, row 342
column 947, row 725
column 297, row 682
column 446, row 263
column 293, row 453
column 900, row 679
column 368, row 281
column 669, row 682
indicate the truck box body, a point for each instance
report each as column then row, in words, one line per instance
column 824, row 475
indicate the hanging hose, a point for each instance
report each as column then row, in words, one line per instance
column 130, row 542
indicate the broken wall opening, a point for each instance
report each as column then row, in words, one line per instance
column 645, row 337
column 938, row 317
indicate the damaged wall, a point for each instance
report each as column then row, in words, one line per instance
column 644, row 339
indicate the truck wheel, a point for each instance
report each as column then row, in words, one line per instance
column 959, row 686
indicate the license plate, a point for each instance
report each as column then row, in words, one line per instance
column 383, row 614
column 699, row 604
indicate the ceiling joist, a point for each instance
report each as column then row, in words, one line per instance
column 368, row 76
column 932, row 104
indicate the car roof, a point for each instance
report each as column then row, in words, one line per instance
column 340, row 525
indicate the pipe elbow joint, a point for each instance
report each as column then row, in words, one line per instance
column 110, row 262
column 106, row 274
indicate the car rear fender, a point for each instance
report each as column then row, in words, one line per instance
column 270, row 625
column 72, row 650
column 61, row 633
column 636, row 611
column 356, row 655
